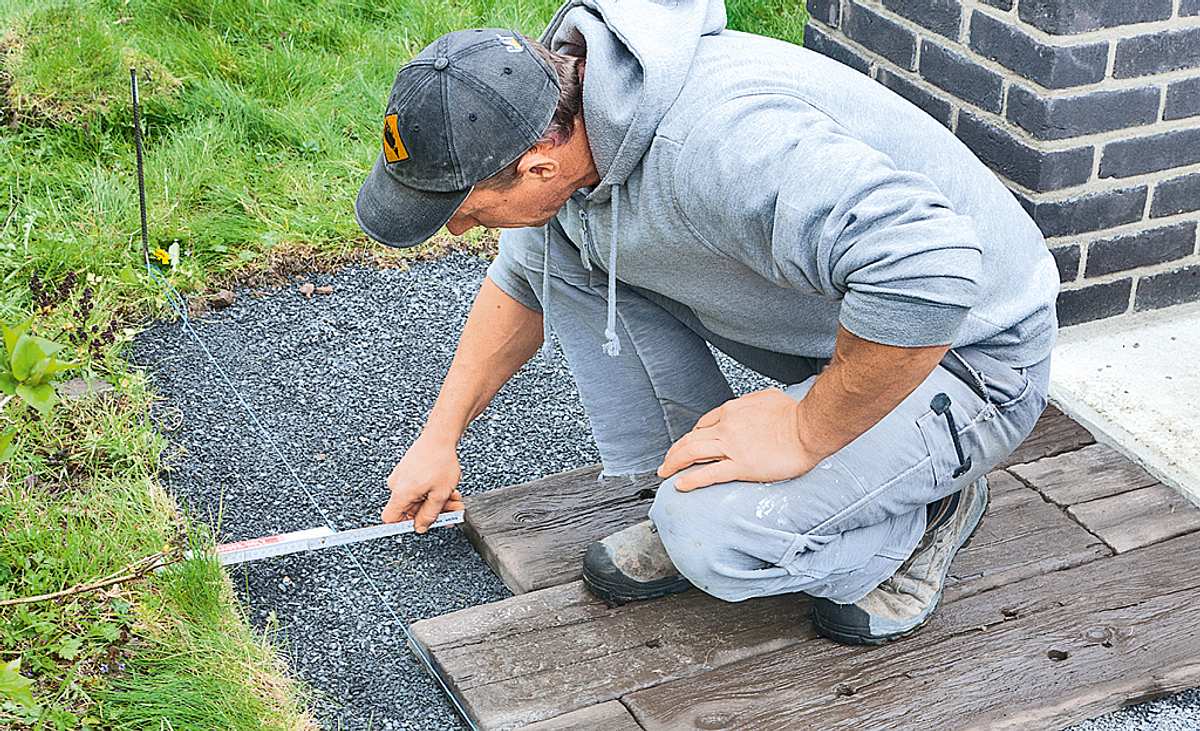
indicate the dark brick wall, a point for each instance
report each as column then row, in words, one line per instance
column 1183, row 99
column 1056, row 118
column 1089, row 110
column 1177, row 195
column 1156, row 53
column 1153, row 246
column 1125, row 158
column 887, row 38
column 958, row 75
column 1076, row 16
column 1052, row 66
column 1093, row 212
column 933, row 106
column 1021, row 162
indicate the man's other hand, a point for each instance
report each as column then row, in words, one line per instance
column 754, row 438
column 424, row 484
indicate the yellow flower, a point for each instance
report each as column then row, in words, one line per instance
column 163, row 257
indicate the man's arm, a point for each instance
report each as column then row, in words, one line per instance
column 767, row 436
column 862, row 384
column 501, row 334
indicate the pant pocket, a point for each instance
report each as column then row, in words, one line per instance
column 994, row 381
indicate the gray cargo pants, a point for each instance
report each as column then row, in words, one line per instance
column 837, row 531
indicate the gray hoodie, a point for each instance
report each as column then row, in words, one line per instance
column 776, row 193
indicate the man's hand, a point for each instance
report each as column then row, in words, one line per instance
column 766, row 436
column 755, row 438
column 424, row 484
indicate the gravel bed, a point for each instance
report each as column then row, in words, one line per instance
column 343, row 382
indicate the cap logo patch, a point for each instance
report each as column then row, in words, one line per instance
column 511, row 44
column 393, row 146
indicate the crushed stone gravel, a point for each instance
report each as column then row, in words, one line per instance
column 343, row 381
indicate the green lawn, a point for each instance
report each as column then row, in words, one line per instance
column 261, row 117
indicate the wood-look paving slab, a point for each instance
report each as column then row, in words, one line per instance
column 1121, row 628
column 533, row 535
column 1089, row 473
column 558, row 658
column 1138, row 518
column 608, row 716
column 553, row 651
column 561, row 649
column 1021, row 535
column 1054, row 433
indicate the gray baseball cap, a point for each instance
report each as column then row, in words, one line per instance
column 468, row 105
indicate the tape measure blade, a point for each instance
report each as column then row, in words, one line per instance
column 318, row 538
column 384, row 530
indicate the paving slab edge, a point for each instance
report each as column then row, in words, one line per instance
column 1112, row 434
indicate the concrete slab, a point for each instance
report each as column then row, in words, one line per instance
column 1135, row 383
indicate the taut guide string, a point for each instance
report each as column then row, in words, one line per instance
column 179, row 305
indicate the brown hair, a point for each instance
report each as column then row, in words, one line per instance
column 562, row 124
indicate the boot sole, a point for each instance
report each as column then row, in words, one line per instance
column 615, row 593
column 852, row 636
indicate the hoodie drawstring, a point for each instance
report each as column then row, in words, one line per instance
column 612, row 346
column 547, row 347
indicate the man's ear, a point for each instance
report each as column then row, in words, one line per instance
column 537, row 164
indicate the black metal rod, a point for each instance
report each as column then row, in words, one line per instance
column 141, row 175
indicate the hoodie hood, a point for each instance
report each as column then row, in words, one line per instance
column 639, row 53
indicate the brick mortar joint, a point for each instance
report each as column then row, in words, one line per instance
column 1094, row 184
column 1135, row 274
column 1098, row 139
column 959, row 46
column 1067, row 40
column 1104, row 185
column 1140, row 226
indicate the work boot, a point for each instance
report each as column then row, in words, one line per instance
column 629, row 565
column 905, row 601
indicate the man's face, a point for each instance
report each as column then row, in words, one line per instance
column 531, row 200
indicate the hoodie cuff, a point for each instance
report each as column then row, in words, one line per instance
column 900, row 322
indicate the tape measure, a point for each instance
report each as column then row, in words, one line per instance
column 314, row 539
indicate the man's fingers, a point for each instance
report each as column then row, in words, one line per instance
column 393, row 512
column 710, row 474
column 429, row 511
column 670, row 464
column 401, row 507
column 688, row 451
column 712, row 417
column 398, row 509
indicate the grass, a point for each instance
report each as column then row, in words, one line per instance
column 261, row 117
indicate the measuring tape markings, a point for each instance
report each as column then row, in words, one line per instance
column 313, row 539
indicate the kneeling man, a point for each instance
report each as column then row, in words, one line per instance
column 667, row 185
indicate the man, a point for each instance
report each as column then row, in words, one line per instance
column 666, row 184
